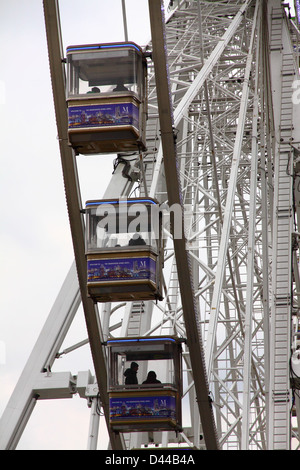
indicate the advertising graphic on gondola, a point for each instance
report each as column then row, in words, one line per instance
column 118, row 269
column 144, row 407
column 126, row 114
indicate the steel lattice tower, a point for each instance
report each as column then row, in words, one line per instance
column 232, row 77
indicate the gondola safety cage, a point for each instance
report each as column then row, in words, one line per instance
column 106, row 98
column 151, row 399
column 124, row 249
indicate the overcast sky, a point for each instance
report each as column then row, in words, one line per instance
column 35, row 243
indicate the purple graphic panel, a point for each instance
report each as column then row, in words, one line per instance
column 102, row 115
column 121, row 269
column 151, row 407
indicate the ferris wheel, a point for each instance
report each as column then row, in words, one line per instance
column 187, row 266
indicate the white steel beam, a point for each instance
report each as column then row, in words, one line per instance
column 181, row 109
column 248, row 325
column 284, row 72
column 227, row 218
column 202, row 76
column 23, row 399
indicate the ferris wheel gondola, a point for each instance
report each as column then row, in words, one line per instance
column 106, row 98
column 145, row 403
column 123, row 249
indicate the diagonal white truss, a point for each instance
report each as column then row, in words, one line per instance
column 232, row 68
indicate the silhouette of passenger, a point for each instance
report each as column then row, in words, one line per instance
column 95, row 89
column 130, row 374
column 151, row 378
column 120, row 87
column 137, row 240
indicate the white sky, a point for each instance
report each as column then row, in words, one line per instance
column 35, row 243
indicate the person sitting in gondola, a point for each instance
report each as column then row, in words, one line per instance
column 95, row 89
column 120, row 87
column 130, row 374
column 151, row 378
column 136, row 240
